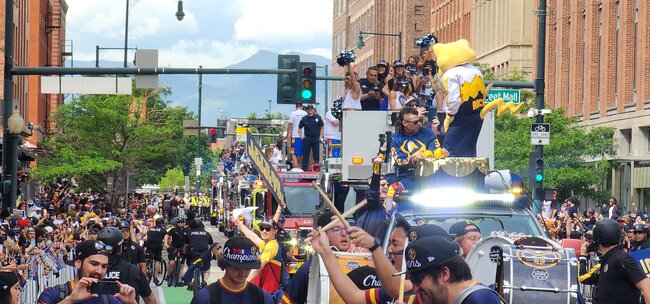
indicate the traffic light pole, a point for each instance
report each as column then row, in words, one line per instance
column 198, row 135
column 539, row 90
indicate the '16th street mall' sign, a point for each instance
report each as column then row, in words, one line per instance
column 264, row 168
column 506, row 94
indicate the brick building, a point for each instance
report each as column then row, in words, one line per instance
column 39, row 39
column 597, row 55
column 410, row 17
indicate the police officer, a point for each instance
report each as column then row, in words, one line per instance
column 132, row 252
column 640, row 238
column 198, row 241
column 120, row 270
column 620, row 279
column 175, row 241
column 154, row 244
column 284, row 239
column 312, row 124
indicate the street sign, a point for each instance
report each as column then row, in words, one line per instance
column 241, row 134
column 506, row 94
column 190, row 127
column 198, row 161
column 540, row 134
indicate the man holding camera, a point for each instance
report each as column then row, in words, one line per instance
column 371, row 88
column 91, row 262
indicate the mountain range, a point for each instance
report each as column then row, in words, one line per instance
column 232, row 96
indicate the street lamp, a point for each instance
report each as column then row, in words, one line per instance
column 180, row 14
column 361, row 44
column 16, row 123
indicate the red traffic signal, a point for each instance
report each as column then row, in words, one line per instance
column 213, row 131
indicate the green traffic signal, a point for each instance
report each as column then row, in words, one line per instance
column 539, row 177
column 306, row 94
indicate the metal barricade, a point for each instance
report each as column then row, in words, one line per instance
column 39, row 277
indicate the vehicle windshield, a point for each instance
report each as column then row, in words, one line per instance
column 301, row 200
column 488, row 223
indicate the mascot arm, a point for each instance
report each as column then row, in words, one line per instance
column 453, row 93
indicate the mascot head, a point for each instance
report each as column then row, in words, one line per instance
column 449, row 55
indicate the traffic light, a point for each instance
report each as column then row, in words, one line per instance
column 287, row 91
column 536, row 171
column 212, row 135
column 307, row 75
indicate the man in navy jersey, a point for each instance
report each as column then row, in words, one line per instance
column 238, row 258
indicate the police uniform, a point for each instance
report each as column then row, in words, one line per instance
column 132, row 252
column 312, row 126
column 617, row 277
column 120, row 270
column 155, row 237
column 199, row 241
column 179, row 237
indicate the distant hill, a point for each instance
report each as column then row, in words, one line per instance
column 235, row 95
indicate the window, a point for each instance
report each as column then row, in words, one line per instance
column 418, row 10
column 626, row 142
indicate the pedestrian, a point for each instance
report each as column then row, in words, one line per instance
column 293, row 135
column 269, row 275
column 312, row 124
column 620, row 279
column 440, row 274
column 238, row 258
column 613, row 211
column 466, row 234
column 332, row 135
column 9, row 288
column 91, row 262
column 121, row 270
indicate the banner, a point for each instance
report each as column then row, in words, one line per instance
column 643, row 258
column 48, row 257
column 265, row 169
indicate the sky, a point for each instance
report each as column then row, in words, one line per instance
column 214, row 33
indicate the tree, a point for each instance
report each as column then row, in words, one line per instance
column 99, row 136
column 173, row 178
column 565, row 158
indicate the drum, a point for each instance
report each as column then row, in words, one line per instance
column 320, row 288
column 483, row 257
column 538, row 274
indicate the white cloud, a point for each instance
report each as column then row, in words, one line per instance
column 272, row 21
column 327, row 53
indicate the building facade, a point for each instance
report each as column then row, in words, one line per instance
column 597, row 55
column 408, row 17
column 39, row 40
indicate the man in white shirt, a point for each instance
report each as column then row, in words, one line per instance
column 333, row 135
column 294, row 136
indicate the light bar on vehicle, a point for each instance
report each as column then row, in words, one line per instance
column 458, row 197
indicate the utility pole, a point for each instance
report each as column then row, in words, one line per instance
column 198, row 135
column 126, row 32
column 539, row 91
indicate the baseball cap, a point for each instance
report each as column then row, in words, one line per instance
column 427, row 230
column 382, row 62
column 241, row 253
column 398, row 63
column 7, row 280
column 365, row 277
column 429, row 251
column 402, row 80
column 309, row 107
column 325, row 219
column 267, row 222
column 90, row 247
column 460, row 228
column 299, row 103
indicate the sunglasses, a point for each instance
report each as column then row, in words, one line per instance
column 265, row 228
column 103, row 247
column 415, row 122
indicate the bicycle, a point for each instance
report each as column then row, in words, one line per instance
column 158, row 278
column 179, row 260
column 197, row 281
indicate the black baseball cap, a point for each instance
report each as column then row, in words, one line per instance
column 7, row 280
column 397, row 63
column 299, row 104
column 365, row 277
column 429, row 251
column 241, row 253
column 88, row 248
column 460, row 228
column 382, row 62
column 427, row 230
column 324, row 219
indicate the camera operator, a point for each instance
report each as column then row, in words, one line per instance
column 371, row 90
column 619, row 279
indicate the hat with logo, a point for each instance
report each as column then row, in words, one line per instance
column 7, row 280
column 382, row 63
column 309, row 107
column 267, row 222
column 365, row 277
column 429, row 251
column 460, row 228
column 88, row 248
column 240, row 252
column 397, row 63
column 427, row 230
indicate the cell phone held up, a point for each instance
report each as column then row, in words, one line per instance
column 104, row 287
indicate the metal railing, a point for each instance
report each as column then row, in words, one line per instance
column 40, row 277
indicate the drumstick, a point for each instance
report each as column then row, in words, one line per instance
column 411, row 299
column 345, row 214
column 331, row 205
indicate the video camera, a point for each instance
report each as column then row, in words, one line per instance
column 346, row 57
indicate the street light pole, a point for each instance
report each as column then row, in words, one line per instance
column 126, row 32
column 9, row 141
column 539, row 89
column 198, row 135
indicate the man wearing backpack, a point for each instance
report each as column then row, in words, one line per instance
column 91, row 262
column 238, row 258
